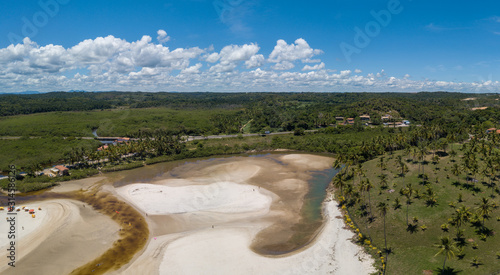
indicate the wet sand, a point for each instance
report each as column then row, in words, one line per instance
column 221, row 216
column 231, row 216
column 63, row 236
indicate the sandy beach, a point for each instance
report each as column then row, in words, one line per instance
column 63, row 236
column 217, row 216
column 208, row 222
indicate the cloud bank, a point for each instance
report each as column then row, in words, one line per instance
column 110, row 63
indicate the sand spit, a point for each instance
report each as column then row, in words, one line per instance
column 225, row 251
column 219, row 197
column 205, row 218
column 63, row 236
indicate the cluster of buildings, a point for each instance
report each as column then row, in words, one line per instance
column 387, row 120
column 350, row 121
column 111, row 140
column 56, row 171
column 493, row 130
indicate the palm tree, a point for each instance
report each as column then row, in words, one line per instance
column 382, row 208
column 447, row 247
column 452, row 137
column 381, row 164
column 422, row 151
column 461, row 216
column 456, row 171
column 383, row 180
column 339, row 182
column 407, row 192
column 367, row 187
column 484, row 208
column 358, row 170
column 338, row 163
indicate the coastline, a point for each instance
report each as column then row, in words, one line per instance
column 229, row 219
column 216, row 238
column 64, row 235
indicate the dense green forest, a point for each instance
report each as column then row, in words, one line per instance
column 435, row 182
column 50, row 118
column 111, row 113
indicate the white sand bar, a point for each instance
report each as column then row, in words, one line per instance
column 222, row 197
column 225, row 251
column 216, row 212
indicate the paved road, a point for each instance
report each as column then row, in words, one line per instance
column 191, row 138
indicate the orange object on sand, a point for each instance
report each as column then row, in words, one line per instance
column 33, row 215
column 32, row 211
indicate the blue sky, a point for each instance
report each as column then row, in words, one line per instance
column 243, row 45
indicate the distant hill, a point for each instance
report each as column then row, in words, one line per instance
column 27, row 93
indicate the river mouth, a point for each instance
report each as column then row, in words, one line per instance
column 294, row 184
column 303, row 231
column 300, row 190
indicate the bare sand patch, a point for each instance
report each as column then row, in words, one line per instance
column 220, row 197
column 290, row 184
column 307, row 162
column 76, row 185
column 63, row 236
column 479, row 108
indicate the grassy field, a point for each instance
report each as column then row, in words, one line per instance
column 115, row 122
column 414, row 253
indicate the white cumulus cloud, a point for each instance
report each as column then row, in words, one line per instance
column 111, row 63
column 162, row 36
column 255, row 61
column 193, row 69
column 314, row 68
column 230, row 56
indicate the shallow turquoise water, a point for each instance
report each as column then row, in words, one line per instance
column 317, row 192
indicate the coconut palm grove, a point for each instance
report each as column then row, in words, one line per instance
column 418, row 174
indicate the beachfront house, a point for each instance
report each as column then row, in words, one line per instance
column 63, row 171
column 52, row 172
